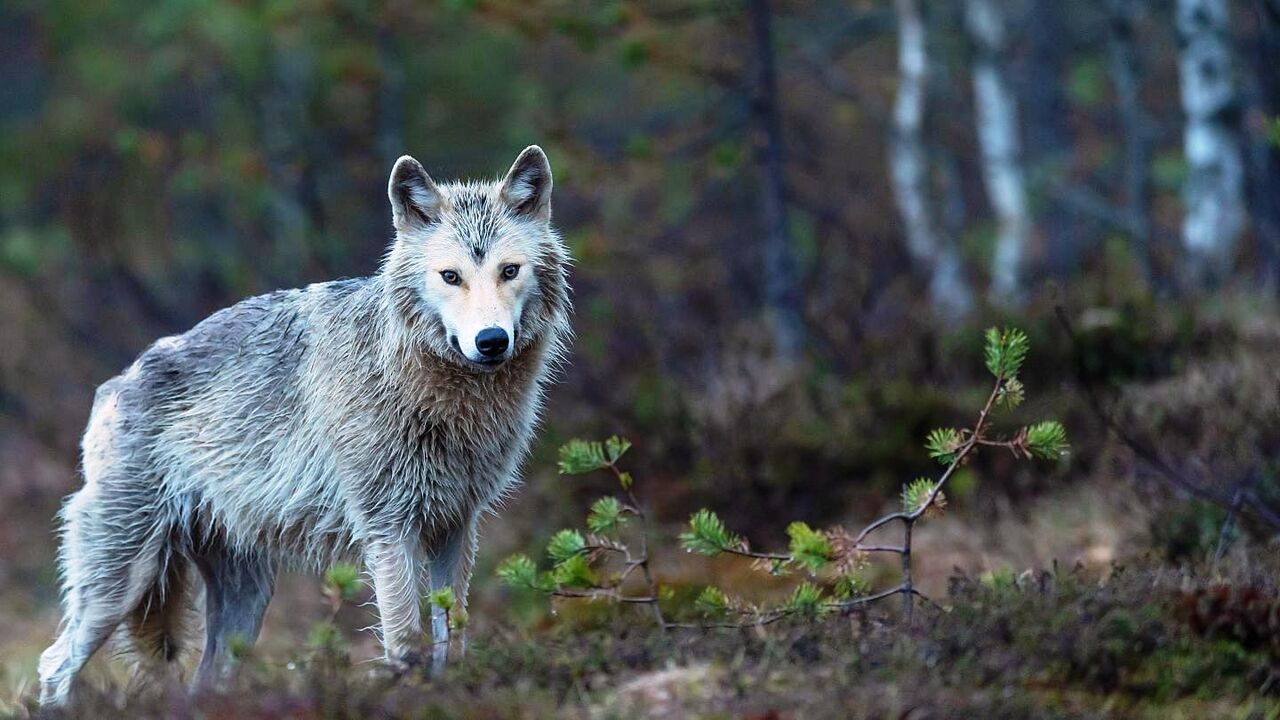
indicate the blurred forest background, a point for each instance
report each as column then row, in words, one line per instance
column 790, row 220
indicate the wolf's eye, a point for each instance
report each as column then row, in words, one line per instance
column 510, row 272
column 450, row 277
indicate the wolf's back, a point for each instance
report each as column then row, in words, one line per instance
column 239, row 355
column 221, row 420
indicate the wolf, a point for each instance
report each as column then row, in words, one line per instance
column 369, row 420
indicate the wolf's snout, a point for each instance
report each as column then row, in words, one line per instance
column 492, row 342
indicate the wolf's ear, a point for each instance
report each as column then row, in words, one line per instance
column 416, row 202
column 527, row 187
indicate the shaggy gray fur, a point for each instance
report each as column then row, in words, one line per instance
column 336, row 422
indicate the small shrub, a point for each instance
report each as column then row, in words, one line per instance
column 600, row 563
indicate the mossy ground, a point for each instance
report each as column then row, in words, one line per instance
column 1138, row 643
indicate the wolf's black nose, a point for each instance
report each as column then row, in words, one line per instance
column 492, row 342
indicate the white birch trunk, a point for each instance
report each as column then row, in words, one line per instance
column 1215, row 164
column 909, row 170
column 998, row 141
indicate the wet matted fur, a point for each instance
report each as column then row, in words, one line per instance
column 344, row 420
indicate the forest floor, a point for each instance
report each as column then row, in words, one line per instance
column 1143, row 641
column 1110, row 631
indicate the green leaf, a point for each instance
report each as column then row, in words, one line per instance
column 807, row 599
column 615, row 447
column 707, row 535
column 578, row 457
column 519, row 572
column 916, row 493
column 850, row 587
column 606, row 515
column 343, row 580
column 574, row 572
column 944, row 444
column 810, row 549
column 442, row 598
column 326, row 637
column 1005, row 351
column 566, row 544
column 1011, row 393
column 712, row 602
column 1047, row 440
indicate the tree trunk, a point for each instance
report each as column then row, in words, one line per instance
column 1264, row 149
column 781, row 292
column 909, row 171
column 1049, row 137
column 998, row 141
column 1125, row 63
column 1215, row 167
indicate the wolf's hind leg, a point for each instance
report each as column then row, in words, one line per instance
column 60, row 665
column 97, row 610
column 238, row 588
column 108, row 573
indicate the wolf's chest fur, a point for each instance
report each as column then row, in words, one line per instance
column 452, row 444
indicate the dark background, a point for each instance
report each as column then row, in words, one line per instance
column 748, row 308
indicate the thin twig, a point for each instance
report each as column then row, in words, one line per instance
column 742, row 552
column 643, row 561
column 1227, row 524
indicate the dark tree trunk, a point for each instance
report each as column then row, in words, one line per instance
column 1264, row 147
column 1125, row 63
column 781, row 290
column 1049, row 141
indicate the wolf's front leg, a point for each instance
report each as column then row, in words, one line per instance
column 397, row 585
column 451, row 567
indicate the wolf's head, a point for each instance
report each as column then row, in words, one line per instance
column 476, row 270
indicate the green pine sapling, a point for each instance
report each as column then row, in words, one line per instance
column 599, row 564
column 341, row 584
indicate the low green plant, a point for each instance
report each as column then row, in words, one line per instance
column 602, row 563
column 341, row 584
column 612, row 557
